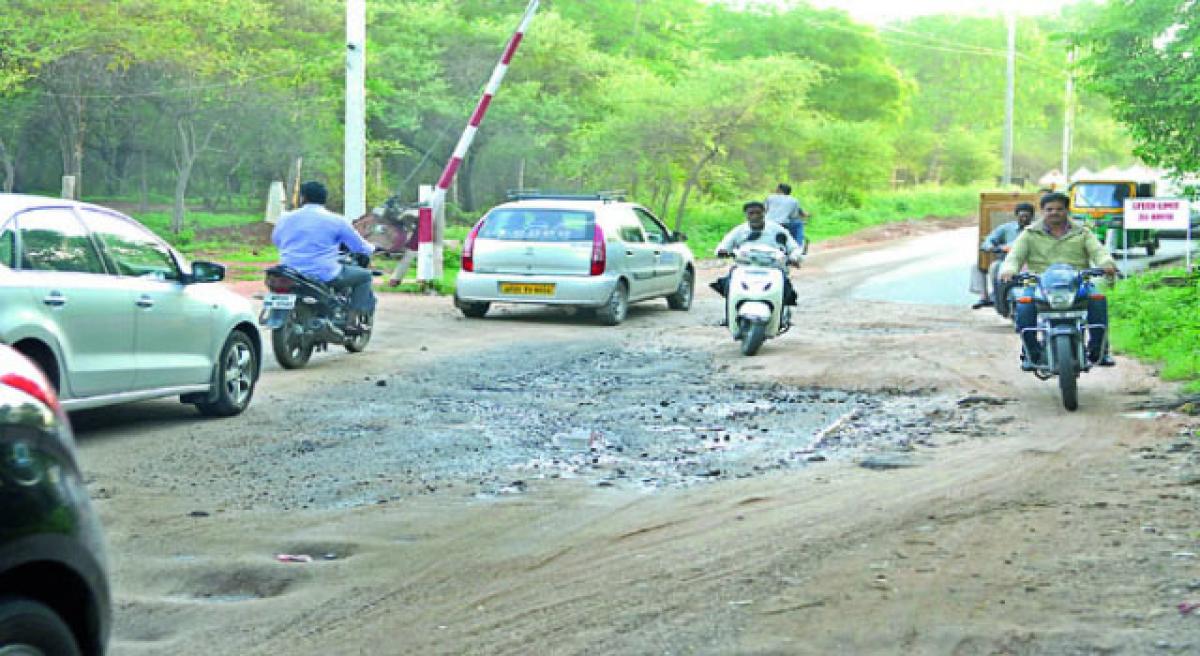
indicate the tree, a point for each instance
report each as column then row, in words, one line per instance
column 1143, row 57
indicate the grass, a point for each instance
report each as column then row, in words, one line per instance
column 1159, row 323
column 451, row 265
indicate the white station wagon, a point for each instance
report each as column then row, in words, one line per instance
column 594, row 252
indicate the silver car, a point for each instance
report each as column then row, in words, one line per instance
column 590, row 252
column 113, row 314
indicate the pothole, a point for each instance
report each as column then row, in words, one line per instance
column 234, row 584
column 492, row 424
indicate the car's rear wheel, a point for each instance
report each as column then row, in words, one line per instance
column 29, row 628
column 292, row 351
column 474, row 310
column 237, row 374
column 616, row 308
column 682, row 298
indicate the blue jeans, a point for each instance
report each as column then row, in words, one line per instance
column 796, row 228
column 1097, row 313
column 358, row 281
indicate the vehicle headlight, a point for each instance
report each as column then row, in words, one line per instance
column 1061, row 299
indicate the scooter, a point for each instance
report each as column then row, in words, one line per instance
column 754, row 307
column 1061, row 296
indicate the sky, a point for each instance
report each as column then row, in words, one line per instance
column 879, row 11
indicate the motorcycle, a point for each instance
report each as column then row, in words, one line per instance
column 1061, row 295
column 305, row 314
column 754, row 304
column 1004, row 296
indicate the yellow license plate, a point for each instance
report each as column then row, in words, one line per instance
column 527, row 288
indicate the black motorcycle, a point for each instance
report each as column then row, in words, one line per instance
column 1003, row 293
column 305, row 314
column 1061, row 295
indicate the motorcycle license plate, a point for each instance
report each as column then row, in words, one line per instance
column 279, row 301
column 527, row 288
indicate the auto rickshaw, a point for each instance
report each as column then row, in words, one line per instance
column 1100, row 204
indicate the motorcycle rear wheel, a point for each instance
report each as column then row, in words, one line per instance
column 1068, row 371
column 292, row 351
column 358, row 343
column 753, row 338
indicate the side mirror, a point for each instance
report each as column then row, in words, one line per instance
column 207, row 272
column 678, row 237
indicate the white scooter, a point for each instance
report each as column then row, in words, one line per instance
column 754, row 305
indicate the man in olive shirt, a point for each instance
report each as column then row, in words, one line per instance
column 1058, row 240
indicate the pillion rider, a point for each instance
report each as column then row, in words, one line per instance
column 757, row 230
column 1056, row 239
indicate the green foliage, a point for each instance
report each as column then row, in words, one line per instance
column 1159, row 323
column 855, row 158
column 1141, row 57
column 969, row 156
column 686, row 104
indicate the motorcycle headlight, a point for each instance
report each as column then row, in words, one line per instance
column 1061, row 299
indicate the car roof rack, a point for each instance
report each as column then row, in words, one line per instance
column 535, row 194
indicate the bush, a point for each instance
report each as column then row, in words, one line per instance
column 1159, row 323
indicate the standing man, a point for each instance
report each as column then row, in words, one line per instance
column 309, row 239
column 1056, row 239
column 784, row 209
column 409, row 228
column 1002, row 238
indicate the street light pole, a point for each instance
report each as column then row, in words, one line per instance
column 1009, row 99
column 356, row 118
column 1069, row 117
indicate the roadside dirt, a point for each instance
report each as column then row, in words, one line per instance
column 534, row 483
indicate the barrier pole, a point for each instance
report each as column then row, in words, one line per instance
column 431, row 224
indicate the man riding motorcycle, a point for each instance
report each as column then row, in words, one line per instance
column 1056, row 239
column 309, row 240
column 758, row 230
column 1001, row 239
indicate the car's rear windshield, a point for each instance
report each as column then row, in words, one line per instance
column 515, row 224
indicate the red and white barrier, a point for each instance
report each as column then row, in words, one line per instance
column 431, row 223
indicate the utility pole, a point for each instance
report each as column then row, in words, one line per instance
column 1009, row 98
column 355, row 188
column 1069, row 118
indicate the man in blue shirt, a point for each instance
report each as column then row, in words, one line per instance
column 1001, row 238
column 309, row 239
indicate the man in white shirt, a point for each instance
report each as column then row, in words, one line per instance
column 758, row 230
column 784, row 209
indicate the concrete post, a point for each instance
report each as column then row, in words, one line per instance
column 356, row 99
column 276, row 200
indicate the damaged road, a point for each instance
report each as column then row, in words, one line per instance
column 533, row 483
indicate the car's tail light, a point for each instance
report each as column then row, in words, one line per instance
column 468, row 253
column 38, row 389
column 599, row 252
column 279, row 284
